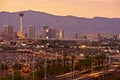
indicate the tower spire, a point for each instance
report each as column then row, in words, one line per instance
column 20, row 33
column 21, row 20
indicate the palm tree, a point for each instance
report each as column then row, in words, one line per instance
column 118, row 78
column 17, row 76
column 59, row 67
column 49, row 68
column 90, row 60
column 67, row 66
column 54, row 66
column 16, row 73
column 3, row 67
column 66, row 61
column 73, row 61
column 64, row 58
column 80, row 64
column 100, row 59
column 39, row 65
column 84, row 64
column 39, row 74
column 17, row 66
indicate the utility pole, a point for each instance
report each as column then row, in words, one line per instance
column 73, row 64
column 4, row 68
column 13, row 75
column 73, row 69
column 33, row 66
column 45, row 66
column 56, row 56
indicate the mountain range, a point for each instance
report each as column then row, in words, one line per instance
column 68, row 23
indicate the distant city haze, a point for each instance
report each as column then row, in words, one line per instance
column 80, row 8
column 69, row 24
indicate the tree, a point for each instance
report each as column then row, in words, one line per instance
column 40, row 70
column 73, row 61
column 4, row 66
column 64, row 58
column 59, row 67
column 17, row 66
column 80, row 64
column 17, row 76
column 100, row 60
column 118, row 78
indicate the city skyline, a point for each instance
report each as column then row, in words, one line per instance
column 59, row 40
column 107, row 8
column 80, row 24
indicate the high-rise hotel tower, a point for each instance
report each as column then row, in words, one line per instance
column 31, row 32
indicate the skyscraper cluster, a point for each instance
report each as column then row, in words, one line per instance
column 50, row 33
column 8, row 30
column 47, row 32
column 31, row 32
column 7, row 33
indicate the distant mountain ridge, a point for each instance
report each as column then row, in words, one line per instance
column 68, row 23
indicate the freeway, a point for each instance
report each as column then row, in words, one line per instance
column 91, row 75
column 68, row 76
column 76, row 75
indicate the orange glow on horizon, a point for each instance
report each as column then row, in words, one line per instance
column 81, row 8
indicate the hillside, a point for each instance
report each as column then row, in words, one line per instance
column 68, row 23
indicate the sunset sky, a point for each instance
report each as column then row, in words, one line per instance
column 81, row 8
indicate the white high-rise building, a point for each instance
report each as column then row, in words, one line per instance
column 8, row 30
column 31, row 32
column 60, row 34
column 7, row 33
column 45, row 32
column 75, row 35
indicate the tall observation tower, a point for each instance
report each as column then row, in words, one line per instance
column 20, row 32
column 21, row 20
